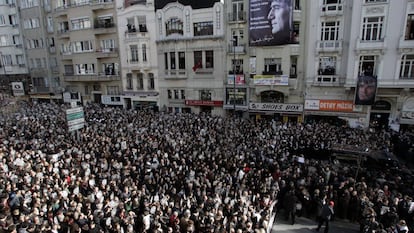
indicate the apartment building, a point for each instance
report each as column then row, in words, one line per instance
column 192, row 55
column 138, row 52
column 263, row 73
column 14, row 76
column 87, row 41
column 360, row 47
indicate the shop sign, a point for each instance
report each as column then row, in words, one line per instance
column 276, row 107
column 214, row 103
column 330, row 105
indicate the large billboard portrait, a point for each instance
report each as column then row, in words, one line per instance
column 366, row 90
column 270, row 22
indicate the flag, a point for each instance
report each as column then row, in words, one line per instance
column 197, row 66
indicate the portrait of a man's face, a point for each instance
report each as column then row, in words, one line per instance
column 366, row 90
column 279, row 15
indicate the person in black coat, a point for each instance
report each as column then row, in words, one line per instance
column 326, row 216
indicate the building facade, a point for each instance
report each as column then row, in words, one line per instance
column 87, row 38
column 360, row 49
column 264, row 68
column 138, row 52
column 14, row 76
column 192, row 56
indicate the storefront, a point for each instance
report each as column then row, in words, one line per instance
column 205, row 106
column 407, row 114
column 336, row 112
column 277, row 111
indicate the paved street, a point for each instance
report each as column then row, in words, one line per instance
column 306, row 225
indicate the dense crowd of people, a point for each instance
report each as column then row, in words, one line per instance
column 143, row 171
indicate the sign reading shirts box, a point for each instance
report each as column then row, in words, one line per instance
column 276, row 107
column 282, row 80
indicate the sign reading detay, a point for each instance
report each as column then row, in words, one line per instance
column 75, row 118
column 276, row 107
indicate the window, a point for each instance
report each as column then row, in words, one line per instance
column 151, row 81
column 82, row 23
column 131, row 25
column 107, row 45
column 61, row 3
column 367, row 65
column 209, row 59
column 29, row 3
column 110, row 68
column 375, row 1
column 20, row 59
column 238, row 66
column 3, row 40
column 166, row 60
column 140, row 81
column 238, row 13
column 205, row 95
column 63, row 27
column 409, row 27
column 82, row 46
column 273, row 66
column 182, row 94
column 407, row 66
column 176, row 94
column 31, row 23
column 85, row 68
column 129, row 85
column 16, row 39
column 49, row 24
column 13, row 20
column 169, row 94
column 198, row 59
column 79, row 2
column 104, row 22
column 181, row 60
column 172, row 60
column 329, row 30
column 68, row 69
column 113, row 90
column 372, row 28
column 142, row 23
column 2, row 20
column 203, row 28
column 296, row 5
column 174, row 26
column 7, row 60
column 144, row 52
column 327, row 66
column 331, row 5
column 238, row 36
column 38, row 62
column 134, row 53
column 35, row 43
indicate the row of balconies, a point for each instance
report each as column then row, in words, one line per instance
column 99, row 77
column 95, row 5
column 99, row 53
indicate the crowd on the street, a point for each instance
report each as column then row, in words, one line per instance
column 143, row 171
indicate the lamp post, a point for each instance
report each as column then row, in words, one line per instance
column 234, row 76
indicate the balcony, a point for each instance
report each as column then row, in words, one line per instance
column 175, row 74
column 63, row 33
column 238, row 49
column 106, row 52
column 104, row 27
column 61, row 11
column 139, row 65
column 101, row 77
column 332, row 9
column 329, row 46
column 135, row 36
column 102, row 4
column 379, row 44
column 328, row 81
column 237, row 17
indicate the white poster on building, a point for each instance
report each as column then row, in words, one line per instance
column 17, row 88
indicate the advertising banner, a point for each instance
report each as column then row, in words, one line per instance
column 276, row 107
column 239, row 79
column 270, row 22
column 330, row 105
column 366, row 89
column 282, row 80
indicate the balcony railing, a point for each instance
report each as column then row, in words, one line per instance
column 107, row 52
column 332, row 9
column 239, row 16
column 329, row 45
column 175, row 74
column 328, row 80
column 100, row 77
column 240, row 49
